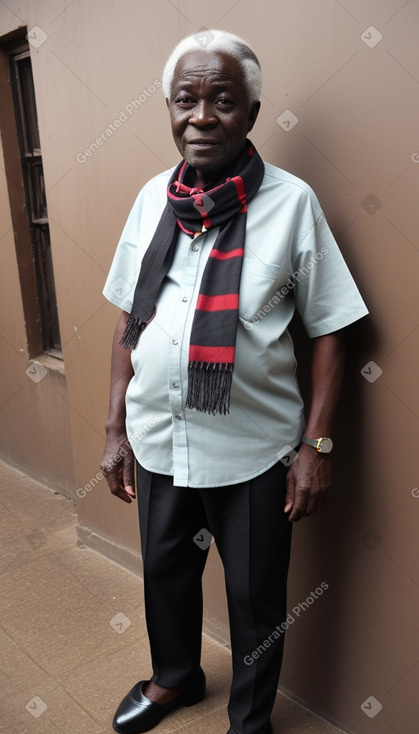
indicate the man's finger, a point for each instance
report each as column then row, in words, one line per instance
column 122, row 494
column 113, row 481
column 116, row 485
column 128, row 474
column 313, row 502
column 301, row 498
column 290, row 492
column 295, row 515
column 119, row 490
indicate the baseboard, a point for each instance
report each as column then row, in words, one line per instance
column 118, row 554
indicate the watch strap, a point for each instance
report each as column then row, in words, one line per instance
column 310, row 441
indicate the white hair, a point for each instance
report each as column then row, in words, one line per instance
column 227, row 43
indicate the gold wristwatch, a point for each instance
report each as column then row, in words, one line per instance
column 323, row 445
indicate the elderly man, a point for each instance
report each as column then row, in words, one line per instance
column 214, row 258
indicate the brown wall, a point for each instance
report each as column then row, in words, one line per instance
column 356, row 143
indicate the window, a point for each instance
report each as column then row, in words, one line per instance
column 32, row 237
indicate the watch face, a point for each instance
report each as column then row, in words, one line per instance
column 325, row 445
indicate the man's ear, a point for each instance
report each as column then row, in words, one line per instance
column 167, row 103
column 253, row 113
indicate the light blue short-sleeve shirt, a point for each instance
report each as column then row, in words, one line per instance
column 291, row 261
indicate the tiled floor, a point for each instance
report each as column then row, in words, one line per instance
column 72, row 631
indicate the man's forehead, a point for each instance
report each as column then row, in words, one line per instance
column 217, row 64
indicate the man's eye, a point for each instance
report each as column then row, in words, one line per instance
column 224, row 102
column 184, row 100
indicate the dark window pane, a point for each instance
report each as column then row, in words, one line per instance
column 28, row 106
column 36, row 203
column 37, row 190
column 46, row 288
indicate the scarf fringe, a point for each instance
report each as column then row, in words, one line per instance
column 209, row 386
column 132, row 333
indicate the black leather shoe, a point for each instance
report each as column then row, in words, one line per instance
column 136, row 713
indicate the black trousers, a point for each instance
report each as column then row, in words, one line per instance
column 253, row 537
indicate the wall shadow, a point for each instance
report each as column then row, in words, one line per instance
column 321, row 542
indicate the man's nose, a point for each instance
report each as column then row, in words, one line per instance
column 203, row 114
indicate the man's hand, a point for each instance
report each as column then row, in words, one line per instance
column 118, row 466
column 309, row 476
column 118, row 460
column 308, row 482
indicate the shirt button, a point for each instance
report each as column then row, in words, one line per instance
column 175, row 341
column 178, row 417
column 176, row 385
column 194, row 248
column 184, row 299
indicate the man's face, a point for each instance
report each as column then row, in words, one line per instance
column 209, row 111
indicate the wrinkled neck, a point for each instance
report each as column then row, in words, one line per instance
column 207, row 181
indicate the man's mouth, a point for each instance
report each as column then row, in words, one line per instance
column 202, row 144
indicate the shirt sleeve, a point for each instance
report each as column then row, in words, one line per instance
column 123, row 274
column 327, row 297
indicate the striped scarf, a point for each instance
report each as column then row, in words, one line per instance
column 214, row 327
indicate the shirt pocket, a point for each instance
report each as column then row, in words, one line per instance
column 259, row 281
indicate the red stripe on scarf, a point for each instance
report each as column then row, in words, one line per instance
column 239, row 252
column 217, row 303
column 241, row 192
column 198, row 353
